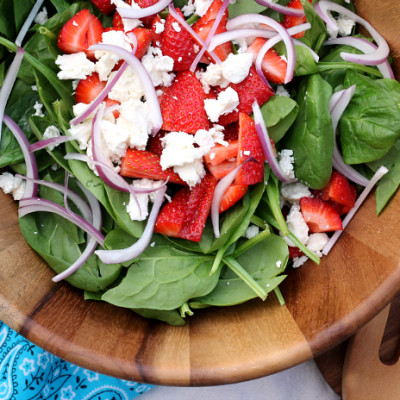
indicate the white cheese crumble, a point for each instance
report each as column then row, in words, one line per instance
column 138, row 209
column 160, row 26
column 159, row 67
column 286, row 161
column 176, row 27
column 226, row 102
column 299, row 261
column 188, row 9
column 251, row 231
column 236, row 67
column 38, row 109
column 41, row 17
column 74, row 66
column 201, row 6
column 281, row 91
column 51, row 132
column 345, row 25
column 12, row 184
column 128, row 87
column 129, row 23
column 295, row 191
column 297, row 225
column 316, row 242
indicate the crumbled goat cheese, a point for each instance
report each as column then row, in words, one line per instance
column 226, row 102
column 281, row 91
column 41, row 16
column 12, row 184
column 316, row 242
column 295, row 191
column 212, row 76
column 51, row 132
column 345, row 25
column 128, row 87
column 299, row 261
column 38, row 109
column 201, row 6
column 217, row 133
column 297, row 225
column 286, row 161
column 236, row 67
column 74, row 66
column 180, row 152
column 129, row 23
column 158, row 66
column 160, row 26
column 251, row 231
column 34, row 88
column 278, row 264
column 138, row 209
column 189, row 9
column 106, row 59
column 176, row 27
column 114, row 141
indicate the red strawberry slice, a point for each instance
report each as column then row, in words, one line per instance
column 117, row 20
column 222, row 169
column 250, row 89
column 212, row 13
column 231, row 132
column 79, row 33
column 88, row 89
column 223, row 50
column 198, row 208
column 220, row 153
column 144, row 4
column 339, row 190
column 144, row 37
column 157, row 37
column 250, row 146
column 182, row 105
column 177, row 44
column 232, row 195
column 154, row 143
column 170, row 219
column 104, row 6
column 290, row 20
column 273, row 65
column 143, row 164
column 319, row 215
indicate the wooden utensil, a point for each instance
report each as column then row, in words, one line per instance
column 364, row 375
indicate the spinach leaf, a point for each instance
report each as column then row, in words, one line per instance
column 171, row 317
column 244, row 7
column 371, row 123
column 263, row 262
column 7, row 26
column 311, row 136
column 279, row 113
column 315, row 36
column 163, row 278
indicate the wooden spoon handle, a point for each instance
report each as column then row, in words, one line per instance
column 364, row 375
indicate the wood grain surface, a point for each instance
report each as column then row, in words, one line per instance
column 325, row 305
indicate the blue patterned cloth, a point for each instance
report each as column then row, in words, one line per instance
column 29, row 373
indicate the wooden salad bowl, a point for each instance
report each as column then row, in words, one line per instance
column 325, row 304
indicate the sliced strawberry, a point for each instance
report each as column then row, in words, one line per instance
column 223, row 50
column 79, row 33
column 182, row 105
column 290, row 20
column 117, row 20
column 273, row 65
column 211, row 14
column 144, row 4
column 170, row 219
column 220, row 170
column 231, row 132
column 157, row 37
column 250, row 89
column 88, row 89
column 109, row 103
column 154, row 143
column 177, row 44
column 221, row 153
column 249, row 146
column 198, row 208
column 104, row 6
column 319, row 215
column 144, row 37
column 232, row 195
column 339, row 190
column 143, row 164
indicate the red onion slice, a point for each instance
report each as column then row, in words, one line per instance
column 366, row 47
column 54, row 141
column 267, row 146
column 138, row 13
column 337, row 104
column 92, row 242
column 210, row 35
column 148, row 87
column 283, row 33
column 30, row 161
column 377, row 176
column 35, row 204
column 129, row 253
column 194, row 35
column 8, row 82
column 28, row 22
column 323, row 8
column 281, row 9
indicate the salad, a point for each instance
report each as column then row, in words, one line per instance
column 173, row 155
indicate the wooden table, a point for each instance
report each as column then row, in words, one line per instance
column 331, row 362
